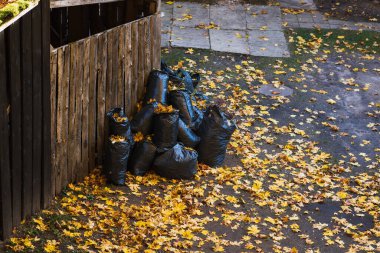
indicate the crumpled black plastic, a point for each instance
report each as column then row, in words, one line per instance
column 181, row 100
column 157, row 87
column 165, row 129
column 177, row 163
column 186, row 135
column 198, row 118
column 116, row 161
column 215, row 132
column 181, row 77
column 119, row 128
column 143, row 120
column 142, row 157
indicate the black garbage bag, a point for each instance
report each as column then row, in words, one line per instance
column 157, row 87
column 215, row 132
column 186, row 135
column 118, row 124
column 177, row 163
column 181, row 100
column 171, row 73
column 165, row 129
column 181, row 77
column 143, row 120
column 116, row 160
column 198, row 118
column 190, row 81
column 142, row 157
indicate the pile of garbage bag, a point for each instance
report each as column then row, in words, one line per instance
column 169, row 134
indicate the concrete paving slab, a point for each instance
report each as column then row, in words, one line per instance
column 294, row 25
column 167, row 9
column 271, row 90
column 228, row 41
column 260, row 17
column 305, row 18
column 268, row 43
column 263, row 12
column 268, row 52
column 265, row 25
column 166, row 29
column 190, row 37
column 308, row 25
column 228, row 17
column 190, row 14
column 336, row 22
column 322, row 25
column 290, row 18
column 165, row 39
column 298, row 4
column 319, row 18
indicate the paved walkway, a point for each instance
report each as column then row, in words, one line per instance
column 249, row 29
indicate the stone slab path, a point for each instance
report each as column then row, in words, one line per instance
column 245, row 29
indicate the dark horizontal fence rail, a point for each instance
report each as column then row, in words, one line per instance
column 25, row 180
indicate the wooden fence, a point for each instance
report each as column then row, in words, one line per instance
column 71, row 22
column 25, row 179
column 89, row 77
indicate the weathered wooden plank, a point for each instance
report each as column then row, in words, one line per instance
column 109, row 84
column 73, row 85
column 92, row 102
column 27, row 114
column 128, row 71
column 141, row 60
column 152, row 27
column 102, row 81
column 37, row 107
column 120, row 67
column 115, row 40
column 147, row 57
column 157, row 43
column 78, row 110
column 46, row 118
column 62, row 115
column 5, row 172
column 135, row 69
column 15, row 118
column 83, row 171
column 53, row 102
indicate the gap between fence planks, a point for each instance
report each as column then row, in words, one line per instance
column 88, row 78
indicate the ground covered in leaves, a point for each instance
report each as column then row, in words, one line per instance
column 354, row 10
column 302, row 172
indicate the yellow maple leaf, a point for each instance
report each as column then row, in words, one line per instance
column 342, row 195
column 232, row 199
column 257, row 185
column 331, row 101
column 51, row 246
column 218, row 248
column 40, row 224
column 253, row 230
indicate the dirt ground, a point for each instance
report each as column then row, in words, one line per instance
column 353, row 10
